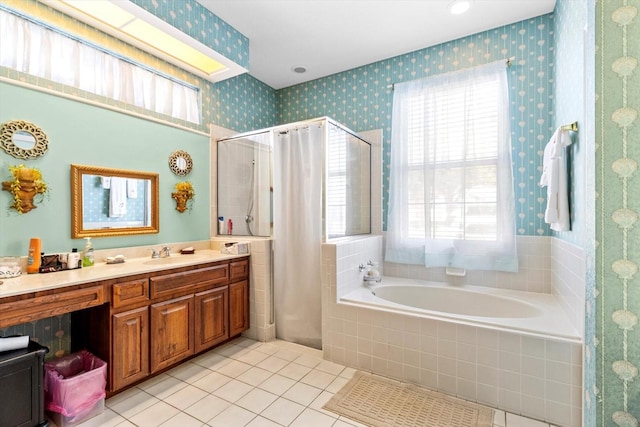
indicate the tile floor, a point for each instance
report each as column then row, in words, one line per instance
column 244, row 383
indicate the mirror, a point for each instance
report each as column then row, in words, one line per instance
column 23, row 140
column 113, row 202
column 180, row 162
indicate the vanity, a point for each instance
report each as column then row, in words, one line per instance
column 143, row 316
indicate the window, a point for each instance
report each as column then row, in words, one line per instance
column 451, row 191
column 31, row 47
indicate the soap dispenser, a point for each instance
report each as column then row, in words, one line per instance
column 87, row 254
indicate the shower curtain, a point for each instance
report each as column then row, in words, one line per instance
column 297, row 211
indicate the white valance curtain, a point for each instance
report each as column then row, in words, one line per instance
column 39, row 51
column 451, row 189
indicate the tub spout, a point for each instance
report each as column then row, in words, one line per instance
column 375, row 279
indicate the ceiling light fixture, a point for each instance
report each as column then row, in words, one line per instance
column 459, row 6
column 299, row 69
column 132, row 24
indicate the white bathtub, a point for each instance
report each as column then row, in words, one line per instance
column 528, row 313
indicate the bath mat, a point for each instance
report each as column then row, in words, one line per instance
column 380, row 402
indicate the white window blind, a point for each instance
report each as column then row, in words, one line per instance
column 33, row 48
column 451, row 190
column 337, row 183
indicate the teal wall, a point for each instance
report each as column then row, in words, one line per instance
column 84, row 134
column 361, row 99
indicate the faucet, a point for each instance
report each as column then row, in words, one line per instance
column 165, row 252
column 372, row 274
column 155, row 253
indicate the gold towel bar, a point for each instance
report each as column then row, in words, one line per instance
column 572, row 127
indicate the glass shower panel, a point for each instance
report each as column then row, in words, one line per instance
column 245, row 189
column 348, row 184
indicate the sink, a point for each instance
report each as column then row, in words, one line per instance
column 163, row 261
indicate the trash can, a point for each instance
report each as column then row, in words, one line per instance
column 21, row 391
column 74, row 388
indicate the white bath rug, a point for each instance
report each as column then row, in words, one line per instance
column 381, row 402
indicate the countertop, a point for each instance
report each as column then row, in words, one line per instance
column 28, row 283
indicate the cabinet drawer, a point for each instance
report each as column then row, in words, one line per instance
column 167, row 284
column 239, row 269
column 129, row 293
column 28, row 310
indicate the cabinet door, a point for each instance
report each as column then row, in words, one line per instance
column 238, row 307
column 171, row 332
column 212, row 317
column 130, row 347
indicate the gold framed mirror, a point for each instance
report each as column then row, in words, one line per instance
column 113, row 202
column 180, row 163
column 23, row 140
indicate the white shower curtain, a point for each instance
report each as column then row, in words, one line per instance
column 297, row 211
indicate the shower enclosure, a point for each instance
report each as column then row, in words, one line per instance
column 301, row 184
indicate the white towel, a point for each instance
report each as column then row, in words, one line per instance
column 132, row 188
column 554, row 177
column 118, row 197
column 106, row 182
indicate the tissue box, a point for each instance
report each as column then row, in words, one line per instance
column 234, row 248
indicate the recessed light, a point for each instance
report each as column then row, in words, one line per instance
column 459, row 6
column 299, row 69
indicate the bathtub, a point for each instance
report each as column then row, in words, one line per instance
column 527, row 313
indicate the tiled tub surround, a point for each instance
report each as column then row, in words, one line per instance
column 536, row 377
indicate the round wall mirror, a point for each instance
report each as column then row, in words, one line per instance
column 23, row 140
column 180, row 162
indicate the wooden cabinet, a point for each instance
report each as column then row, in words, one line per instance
column 212, row 317
column 130, row 359
column 171, row 332
column 238, row 307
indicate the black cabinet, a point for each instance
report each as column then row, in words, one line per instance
column 22, row 387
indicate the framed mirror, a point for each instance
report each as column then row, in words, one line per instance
column 23, row 140
column 180, row 162
column 113, row 202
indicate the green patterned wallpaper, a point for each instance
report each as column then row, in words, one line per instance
column 617, row 210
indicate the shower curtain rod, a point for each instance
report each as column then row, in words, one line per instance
column 295, row 125
column 507, row 61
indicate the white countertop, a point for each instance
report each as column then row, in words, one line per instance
column 27, row 283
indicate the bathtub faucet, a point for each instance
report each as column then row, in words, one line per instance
column 372, row 274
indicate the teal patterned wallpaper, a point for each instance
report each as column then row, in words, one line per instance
column 52, row 333
column 617, row 392
column 361, row 99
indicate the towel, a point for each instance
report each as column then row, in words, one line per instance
column 106, row 182
column 118, row 198
column 132, row 188
column 554, row 177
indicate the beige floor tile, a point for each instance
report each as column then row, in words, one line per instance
column 182, row 420
column 256, row 400
column 499, row 418
column 154, row 415
column 234, row 369
column 232, row 391
column 302, row 393
column 207, row 408
column 231, row 350
column 254, row 376
column 232, row 416
column 347, row 373
column 311, row 417
column 211, row 360
column 164, row 388
column 211, row 382
column 283, row 411
column 262, row 422
column 185, row 397
column 518, row 421
column 252, row 357
column 288, row 355
column 277, row 384
column 272, row 364
column 319, row 402
column 294, row 371
column 318, row 379
column 308, row 361
column 130, row 402
column 188, row 372
column 268, row 348
column 330, row 367
column 337, row 384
